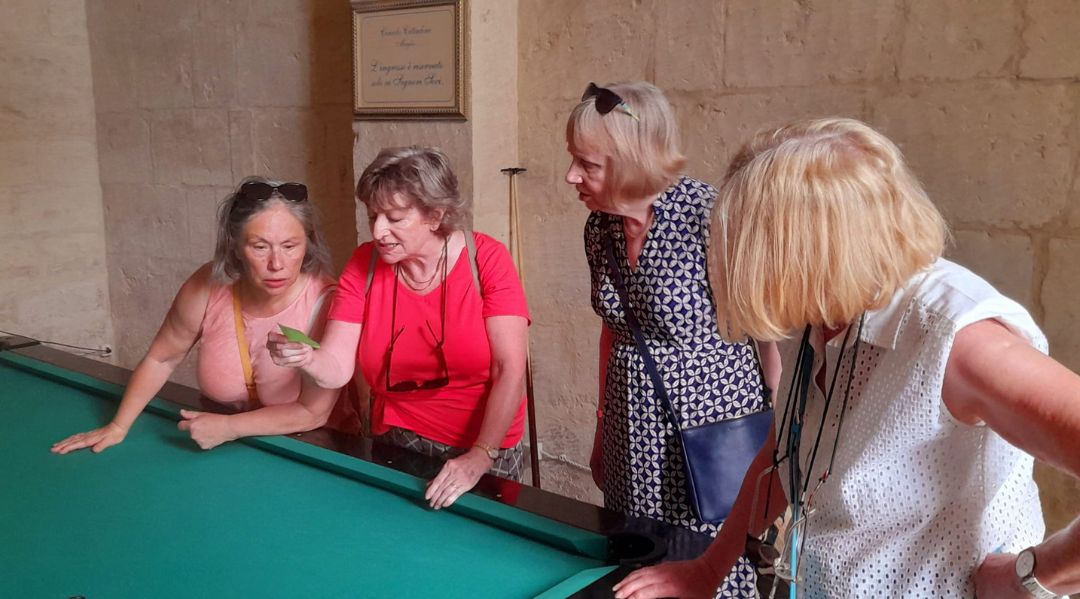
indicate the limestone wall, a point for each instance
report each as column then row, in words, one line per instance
column 52, row 275
column 192, row 97
column 982, row 97
column 479, row 146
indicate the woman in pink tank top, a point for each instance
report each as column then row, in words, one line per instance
column 270, row 267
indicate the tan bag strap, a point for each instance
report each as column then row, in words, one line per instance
column 241, row 341
column 371, row 273
column 317, row 308
column 470, row 247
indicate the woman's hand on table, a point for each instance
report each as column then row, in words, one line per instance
column 457, row 477
column 288, row 354
column 686, row 580
column 206, row 429
column 97, row 440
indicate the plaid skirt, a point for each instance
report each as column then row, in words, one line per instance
column 509, row 464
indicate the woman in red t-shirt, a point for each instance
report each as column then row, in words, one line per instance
column 445, row 360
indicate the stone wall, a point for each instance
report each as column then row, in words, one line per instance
column 479, row 146
column 52, row 277
column 191, row 98
column 981, row 96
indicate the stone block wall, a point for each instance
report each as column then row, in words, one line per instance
column 191, row 98
column 52, row 277
column 981, row 96
column 479, row 146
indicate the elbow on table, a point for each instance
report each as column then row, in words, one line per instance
column 318, row 421
column 309, row 418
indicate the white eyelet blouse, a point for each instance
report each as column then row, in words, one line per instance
column 916, row 498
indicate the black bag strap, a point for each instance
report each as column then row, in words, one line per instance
column 632, row 321
column 646, row 355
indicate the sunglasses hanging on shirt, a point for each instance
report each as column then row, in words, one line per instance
column 395, row 332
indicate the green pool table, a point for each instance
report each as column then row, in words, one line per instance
column 270, row 516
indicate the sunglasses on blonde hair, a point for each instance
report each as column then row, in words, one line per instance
column 607, row 100
column 260, row 192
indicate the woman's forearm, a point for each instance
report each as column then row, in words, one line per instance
column 147, row 379
column 509, row 342
column 503, row 402
column 332, row 365
column 328, row 370
column 283, row 419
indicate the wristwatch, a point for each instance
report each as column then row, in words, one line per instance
column 489, row 450
column 1025, row 571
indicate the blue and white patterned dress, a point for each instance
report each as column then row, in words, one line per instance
column 707, row 378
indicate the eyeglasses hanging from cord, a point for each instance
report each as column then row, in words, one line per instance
column 786, row 566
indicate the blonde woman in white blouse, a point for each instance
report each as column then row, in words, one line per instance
column 927, row 393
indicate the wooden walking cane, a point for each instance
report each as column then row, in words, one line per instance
column 515, row 251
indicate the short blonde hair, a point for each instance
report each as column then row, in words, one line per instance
column 816, row 223
column 643, row 156
column 424, row 176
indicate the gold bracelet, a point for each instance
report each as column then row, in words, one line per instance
column 489, row 450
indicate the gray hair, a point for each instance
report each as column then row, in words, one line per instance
column 235, row 212
column 424, row 176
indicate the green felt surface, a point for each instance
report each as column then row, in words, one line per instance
column 157, row 517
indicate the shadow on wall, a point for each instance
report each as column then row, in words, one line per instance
column 189, row 99
column 330, row 32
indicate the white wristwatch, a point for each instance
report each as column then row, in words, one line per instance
column 1025, row 571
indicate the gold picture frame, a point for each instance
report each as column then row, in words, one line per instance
column 409, row 59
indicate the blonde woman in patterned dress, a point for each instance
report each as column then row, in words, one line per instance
column 922, row 482
column 626, row 169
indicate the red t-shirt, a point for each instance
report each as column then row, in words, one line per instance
column 451, row 414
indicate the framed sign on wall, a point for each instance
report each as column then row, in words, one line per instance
column 409, row 59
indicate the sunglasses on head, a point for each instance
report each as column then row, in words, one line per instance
column 606, row 100
column 259, row 191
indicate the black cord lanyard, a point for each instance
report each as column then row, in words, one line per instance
column 394, row 333
column 791, row 425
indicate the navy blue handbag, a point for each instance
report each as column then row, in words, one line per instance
column 717, row 455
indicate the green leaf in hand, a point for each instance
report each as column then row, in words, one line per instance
column 298, row 336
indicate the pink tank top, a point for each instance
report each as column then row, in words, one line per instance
column 221, row 377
